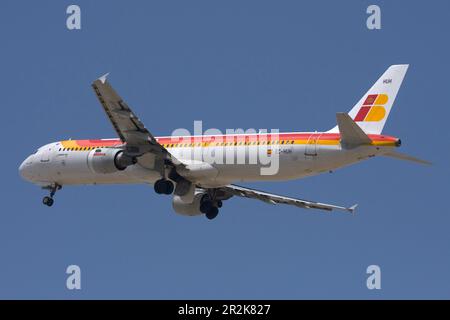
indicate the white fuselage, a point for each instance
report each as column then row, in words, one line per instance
column 56, row 163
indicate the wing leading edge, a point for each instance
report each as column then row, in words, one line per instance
column 127, row 125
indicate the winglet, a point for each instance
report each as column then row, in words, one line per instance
column 352, row 208
column 103, row 78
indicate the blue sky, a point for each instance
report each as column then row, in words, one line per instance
column 289, row 65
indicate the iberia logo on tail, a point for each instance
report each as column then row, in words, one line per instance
column 372, row 108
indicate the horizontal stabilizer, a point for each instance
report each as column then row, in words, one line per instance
column 402, row 156
column 351, row 134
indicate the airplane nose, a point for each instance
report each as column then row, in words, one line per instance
column 21, row 169
column 24, row 169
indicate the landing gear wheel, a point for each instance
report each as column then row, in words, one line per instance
column 212, row 213
column 210, row 207
column 205, row 206
column 159, row 186
column 163, row 186
column 169, row 187
column 48, row 201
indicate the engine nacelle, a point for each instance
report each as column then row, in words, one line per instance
column 188, row 208
column 109, row 160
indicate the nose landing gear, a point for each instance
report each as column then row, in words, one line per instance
column 48, row 200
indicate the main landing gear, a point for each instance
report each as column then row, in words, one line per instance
column 164, row 186
column 210, row 207
column 48, row 200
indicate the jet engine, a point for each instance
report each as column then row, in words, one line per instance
column 109, row 160
column 188, row 208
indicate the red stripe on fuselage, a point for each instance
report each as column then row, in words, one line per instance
column 256, row 137
column 98, row 142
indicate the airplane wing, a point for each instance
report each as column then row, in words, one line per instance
column 234, row 190
column 127, row 125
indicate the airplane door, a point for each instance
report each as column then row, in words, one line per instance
column 311, row 146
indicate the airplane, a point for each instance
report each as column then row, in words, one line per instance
column 200, row 187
